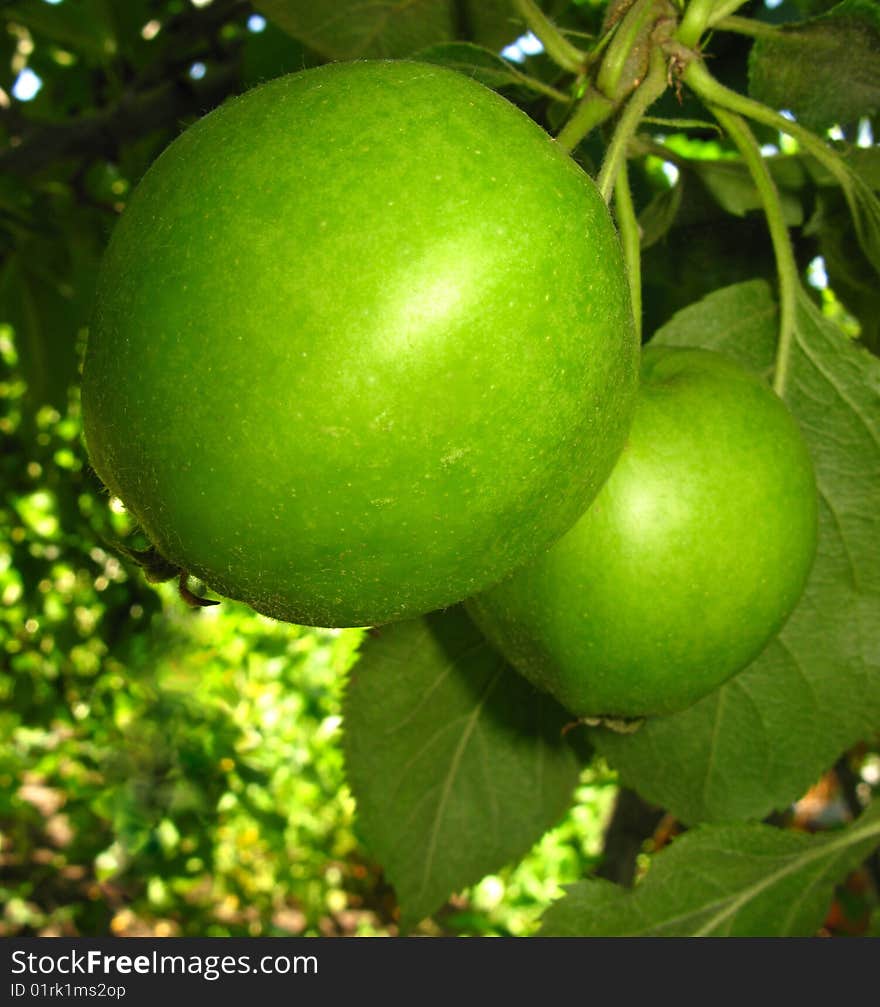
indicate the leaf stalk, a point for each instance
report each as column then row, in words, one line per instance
column 556, row 45
column 786, row 267
column 645, row 95
column 630, row 238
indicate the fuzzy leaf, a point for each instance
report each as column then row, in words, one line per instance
column 760, row 740
column 457, row 764
column 793, row 69
column 657, row 218
column 850, row 274
column 723, row 881
column 352, row 29
column 484, row 66
column 734, row 189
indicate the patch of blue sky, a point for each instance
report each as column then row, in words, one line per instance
column 526, row 45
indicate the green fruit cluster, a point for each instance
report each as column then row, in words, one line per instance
column 363, row 348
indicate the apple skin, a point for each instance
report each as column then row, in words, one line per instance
column 362, row 345
column 687, row 563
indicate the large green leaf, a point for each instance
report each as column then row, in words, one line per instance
column 458, row 765
column 760, row 740
column 658, row 216
column 826, row 70
column 723, row 881
column 352, row 29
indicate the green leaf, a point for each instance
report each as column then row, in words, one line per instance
column 795, row 68
column 702, row 255
column 759, row 741
column 805, row 8
column 718, row 235
column 723, row 881
column 850, row 275
column 486, row 67
column 865, row 208
column 351, row 29
column 457, row 764
column 731, row 185
column 483, row 65
column 659, row 215
column 857, row 175
column 865, row 162
column 39, row 310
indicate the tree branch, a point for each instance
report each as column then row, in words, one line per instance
column 157, row 98
column 632, row 823
column 133, row 116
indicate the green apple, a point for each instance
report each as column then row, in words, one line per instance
column 690, row 559
column 362, row 345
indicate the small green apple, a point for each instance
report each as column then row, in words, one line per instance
column 690, row 559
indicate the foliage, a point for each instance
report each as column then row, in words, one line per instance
column 158, row 766
column 165, row 771
column 731, row 881
column 788, row 69
column 436, row 722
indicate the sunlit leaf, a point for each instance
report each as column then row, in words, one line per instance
column 792, row 69
column 458, row 765
column 723, row 881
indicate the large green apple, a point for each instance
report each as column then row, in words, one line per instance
column 691, row 557
column 362, row 345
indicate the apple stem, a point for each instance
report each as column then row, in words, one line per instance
column 620, row 49
column 648, row 91
column 593, row 109
column 721, row 99
column 737, row 129
column 533, row 84
column 630, row 236
column 748, row 26
column 786, row 267
column 722, row 10
column 556, row 45
column 701, row 15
